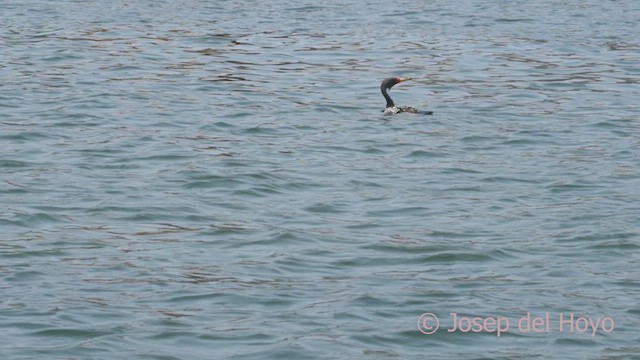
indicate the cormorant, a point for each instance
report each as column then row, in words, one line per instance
column 391, row 108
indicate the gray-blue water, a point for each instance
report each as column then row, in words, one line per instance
column 188, row 179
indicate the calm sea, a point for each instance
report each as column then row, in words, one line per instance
column 190, row 179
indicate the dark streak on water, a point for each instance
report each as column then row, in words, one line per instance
column 196, row 180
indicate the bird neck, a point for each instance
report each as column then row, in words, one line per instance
column 387, row 97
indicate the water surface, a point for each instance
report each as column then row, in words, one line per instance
column 196, row 180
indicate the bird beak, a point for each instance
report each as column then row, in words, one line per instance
column 405, row 79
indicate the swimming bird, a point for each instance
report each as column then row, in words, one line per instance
column 391, row 108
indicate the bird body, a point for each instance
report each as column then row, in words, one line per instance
column 396, row 110
column 391, row 108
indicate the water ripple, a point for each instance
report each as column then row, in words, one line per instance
column 220, row 176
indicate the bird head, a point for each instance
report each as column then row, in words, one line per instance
column 390, row 82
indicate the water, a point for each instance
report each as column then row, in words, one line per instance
column 197, row 180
